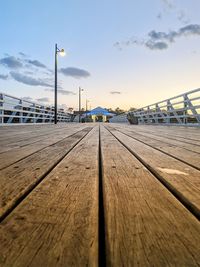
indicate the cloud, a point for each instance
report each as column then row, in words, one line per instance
column 75, row 72
column 36, row 63
column 22, row 54
column 189, row 30
column 3, row 77
column 28, row 79
column 29, row 72
column 170, row 6
column 161, row 40
column 159, row 16
column 182, row 17
column 11, row 62
column 169, row 3
column 115, row 93
column 43, row 99
column 156, row 46
column 62, row 92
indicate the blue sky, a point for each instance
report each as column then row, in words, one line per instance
column 124, row 53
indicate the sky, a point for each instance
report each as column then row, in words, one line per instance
column 123, row 53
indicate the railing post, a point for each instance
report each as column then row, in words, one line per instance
column 21, row 112
column 34, row 115
column 2, row 110
column 168, row 111
column 185, row 108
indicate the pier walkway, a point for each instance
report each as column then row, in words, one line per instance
column 99, row 195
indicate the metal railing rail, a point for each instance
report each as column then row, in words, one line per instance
column 19, row 110
column 181, row 109
column 121, row 118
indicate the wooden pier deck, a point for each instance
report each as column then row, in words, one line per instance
column 99, row 195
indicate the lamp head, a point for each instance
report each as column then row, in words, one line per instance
column 62, row 52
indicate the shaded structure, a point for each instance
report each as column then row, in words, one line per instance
column 99, row 114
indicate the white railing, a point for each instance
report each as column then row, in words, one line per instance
column 181, row 109
column 121, row 118
column 18, row 110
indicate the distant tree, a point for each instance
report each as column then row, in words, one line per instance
column 119, row 110
column 132, row 109
column 110, row 110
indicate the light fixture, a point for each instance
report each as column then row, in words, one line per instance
column 61, row 53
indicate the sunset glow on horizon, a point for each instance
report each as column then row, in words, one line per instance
column 122, row 53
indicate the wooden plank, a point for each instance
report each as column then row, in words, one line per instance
column 9, row 157
column 19, row 178
column 31, row 137
column 57, row 224
column 181, row 178
column 188, row 133
column 194, row 147
column 189, row 157
column 173, row 136
column 145, row 225
column 16, row 130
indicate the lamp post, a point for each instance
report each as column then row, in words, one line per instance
column 80, row 90
column 62, row 53
column 86, row 107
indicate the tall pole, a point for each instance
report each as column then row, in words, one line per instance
column 86, row 107
column 55, row 103
column 79, row 104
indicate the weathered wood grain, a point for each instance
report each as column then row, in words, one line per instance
column 144, row 224
column 57, row 224
column 171, row 141
column 182, row 178
column 19, row 178
column 173, row 136
column 9, row 157
column 188, row 156
column 179, row 132
column 18, row 141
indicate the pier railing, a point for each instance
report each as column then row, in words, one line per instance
column 121, row 118
column 19, row 110
column 181, row 109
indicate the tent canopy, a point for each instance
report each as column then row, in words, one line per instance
column 100, row 112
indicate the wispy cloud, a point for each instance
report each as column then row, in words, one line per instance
column 22, row 54
column 161, row 40
column 62, row 91
column 29, row 72
column 11, row 62
column 36, row 63
column 183, row 17
column 43, row 99
column 75, row 72
column 169, row 3
column 170, row 6
column 3, row 77
column 189, row 30
column 156, row 45
column 115, row 93
column 28, row 79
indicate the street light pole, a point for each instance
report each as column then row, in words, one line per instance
column 55, row 100
column 62, row 53
column 86, row 107
column 80, row 89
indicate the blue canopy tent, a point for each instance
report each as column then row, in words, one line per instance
column 99, row 114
